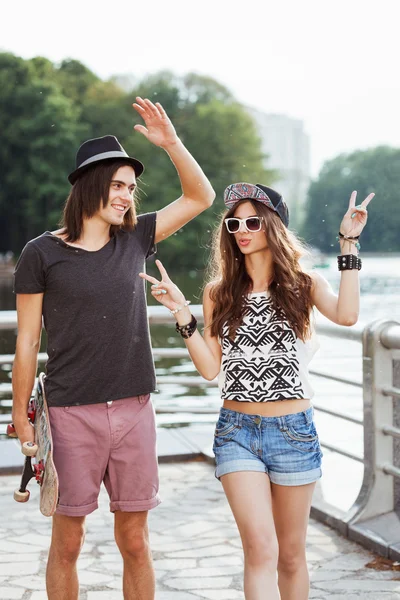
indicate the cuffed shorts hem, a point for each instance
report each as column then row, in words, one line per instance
column 300, row 478
column 234, row 466
column 135, row 505
column 76, row 511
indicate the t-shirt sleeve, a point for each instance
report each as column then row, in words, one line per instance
column 146, row 230
column 29, row 272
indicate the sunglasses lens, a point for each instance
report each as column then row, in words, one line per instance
column 253, row 224
column 233, row 225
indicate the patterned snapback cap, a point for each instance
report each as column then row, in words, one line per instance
column 248, row 191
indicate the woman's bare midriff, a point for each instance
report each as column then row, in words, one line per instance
column 268, row 409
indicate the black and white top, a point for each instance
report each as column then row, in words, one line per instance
column 265, row 362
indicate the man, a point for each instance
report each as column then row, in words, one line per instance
column 84, row 281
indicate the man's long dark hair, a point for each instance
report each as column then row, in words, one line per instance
column 87, row 194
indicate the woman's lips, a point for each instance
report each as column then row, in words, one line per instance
column 244, row 242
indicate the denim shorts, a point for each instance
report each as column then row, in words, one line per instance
column 286, row 448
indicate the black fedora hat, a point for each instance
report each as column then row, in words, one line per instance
column 99, row 149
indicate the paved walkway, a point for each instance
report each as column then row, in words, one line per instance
column 196, row 548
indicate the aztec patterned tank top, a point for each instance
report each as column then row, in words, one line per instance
column 265, row 362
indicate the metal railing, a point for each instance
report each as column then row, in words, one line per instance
column 372, row 520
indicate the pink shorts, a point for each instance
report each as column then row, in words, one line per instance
column 114, row 442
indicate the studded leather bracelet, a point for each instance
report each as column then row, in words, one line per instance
column 348, row 262
column 188, row 330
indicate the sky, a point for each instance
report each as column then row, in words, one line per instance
column 332, row 64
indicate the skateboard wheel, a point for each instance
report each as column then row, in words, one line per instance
column 29, row 448
column 21, row 496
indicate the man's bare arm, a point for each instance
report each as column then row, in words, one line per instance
column 29, row 314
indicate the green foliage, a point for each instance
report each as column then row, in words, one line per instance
column 200, row 89
column 75, row 80
column 47, row 111
column 39, row 136
column 221, row 136
column 375, row 170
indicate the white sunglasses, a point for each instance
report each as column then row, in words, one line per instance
column 251, row 224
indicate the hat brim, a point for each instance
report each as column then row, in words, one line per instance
column 137, row 166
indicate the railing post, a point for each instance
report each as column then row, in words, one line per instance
column 372, row 519
column 376, row 496
column 396, row 423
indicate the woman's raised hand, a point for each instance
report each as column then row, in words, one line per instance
column 355, row 218
column 166, row 292
column 159, row 129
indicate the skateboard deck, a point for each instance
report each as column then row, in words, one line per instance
column 43, row 470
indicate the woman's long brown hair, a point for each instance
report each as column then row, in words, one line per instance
column 87, row 194
column 290, row 289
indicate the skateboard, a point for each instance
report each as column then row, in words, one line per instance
column 43, row 470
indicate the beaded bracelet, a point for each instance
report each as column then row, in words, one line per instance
column 348, row 262
column 348, row 238
column 188, row 330
column 175, row 310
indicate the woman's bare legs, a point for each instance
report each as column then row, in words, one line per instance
column 291, row 510
column 249, row 496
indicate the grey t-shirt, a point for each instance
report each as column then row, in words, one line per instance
column 94, row 313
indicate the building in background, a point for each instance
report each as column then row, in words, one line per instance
column 288, row 149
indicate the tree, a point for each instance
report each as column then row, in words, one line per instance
column 375, row 170
column 223, row 139
column 47, row 111
column 39, row 139
column 75, row 80
column 201, row 89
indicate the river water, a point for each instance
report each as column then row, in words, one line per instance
column 380, row 289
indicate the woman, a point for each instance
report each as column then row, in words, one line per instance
column 258, row 337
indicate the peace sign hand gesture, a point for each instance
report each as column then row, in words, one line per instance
column 166, row 292
column 355, row 218
column 159, row 129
